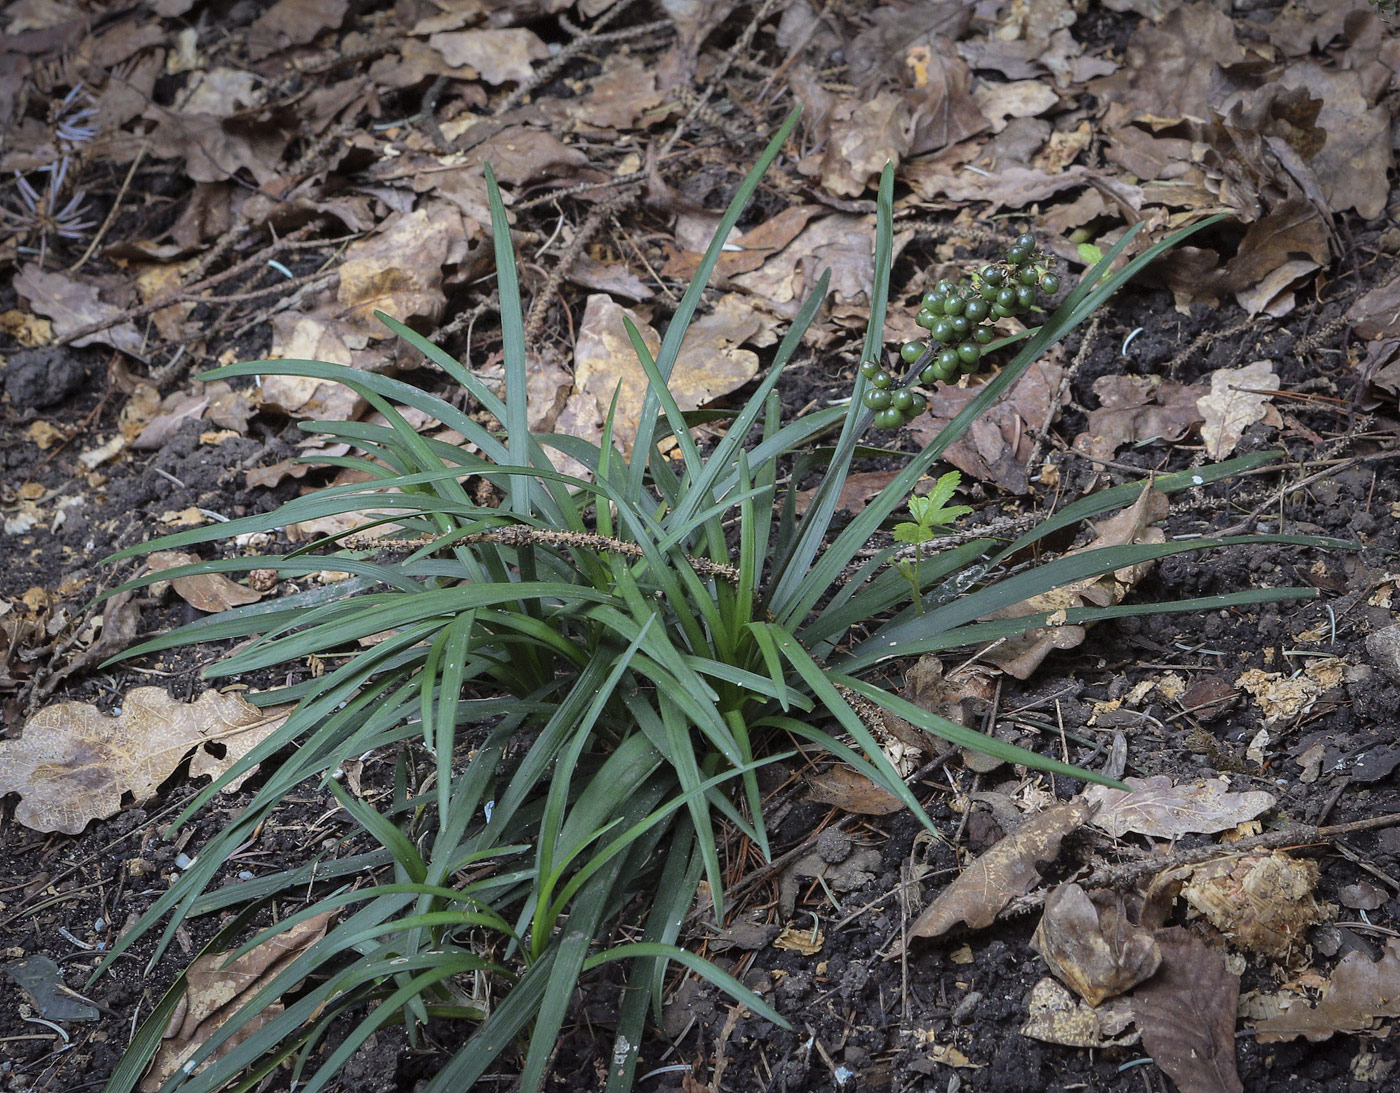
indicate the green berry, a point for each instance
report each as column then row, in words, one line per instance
column 889, row 419
column 911, row 352
column 993, row 275
column 946, row 373
column 1015, row 256
column 877, row 399
column 1030, row 276
column 955, row 305
column 1026, row 241
column 902, row 399
column 969, row 353
column 869, row 368
column 960, row 326
column 882, row 380
column 1050, row 283
column 1002, row 311
column 948, row 288
column 947, row 359
column 1025, row 297
column 1006, row 298
column 942, row 330
column 988, row 291
column 983, row 335
column 931, row 299
column 929, row 375
column 917, row 405
column 967, row 369
column 977, row 310
column 925, row 319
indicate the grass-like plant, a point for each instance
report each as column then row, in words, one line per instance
column 579, row 688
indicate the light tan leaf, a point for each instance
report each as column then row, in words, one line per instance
column 1282, row 698
column 207, row 591
column 1057, row 1017
column 72, row 763
column 293, row 23
column 1134, row 409
column 861, row 138
column 499, row 55
column 398, row 268
column 852, row 791
column 1238, row 398
column 215, row 991
column 1089, row 943
column 1359, row 993
column 1157, row 808
column 1004, row 872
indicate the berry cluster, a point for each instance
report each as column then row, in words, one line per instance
column 960, row 317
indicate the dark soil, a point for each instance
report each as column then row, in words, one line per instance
column 860, row 1021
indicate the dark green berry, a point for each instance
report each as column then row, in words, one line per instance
column 869, row 368
column 911, row 352
column 925, row 319
column 942, row 330
column 955, row 305
column 930, row 299
column 977, row 310
column 992, row 275
column 1030, row 276
column 1006, row 297
column 882, row 380
column 948, row 288
column 961, row 325
column 988, row 291
column 877, row 399
column 917, row 405
column 969, row 353
column 929, row 375
column 983, row 335
column 947, row 358
column 967, row 369
column 1002, row 311
column 1026, row 241
column 1016, row 255
column 946, row 372
column 1025, row 297
column 1050, row 283
column 902, row 400
column 889, row 419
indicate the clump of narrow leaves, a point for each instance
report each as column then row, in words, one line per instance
column 575, row 691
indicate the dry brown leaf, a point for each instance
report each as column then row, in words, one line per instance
column 1137, row 409
column 293, row 23
column 1187, row 1015
column 1261, row 902
column 852, row 791
column 800, row 939
column 215, row 990
column 500, row 56
column 1157, row 808
column 320, row 335
column 72, row 763
column 1089, row 943
column 207, row 591
column 998, row 446
column 1359, row 993
column 1022, row 654
column 619, row 95
column 861, row 138
column 1004, row 872
column 71, row 304
column 1057, row 1017
column 1376, row 314
column 1238, row 398
column 1282, row 698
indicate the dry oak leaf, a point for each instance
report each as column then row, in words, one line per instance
column 861, row 139
column 997, row 877
column 1057, row 1017
column 1238, row 398
column 1137, row 409
column 398, row 269
column 206, row 591
column 499, row 55
column 1187, row 1015
column 1359, row 994
column 1161, row 810
column 72, row 763
column 1089, row 943
column 215, row 991
column 72, row 304
column 293, row 23
column 851, row 791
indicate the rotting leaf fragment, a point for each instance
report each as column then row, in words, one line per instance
column 1089, row 943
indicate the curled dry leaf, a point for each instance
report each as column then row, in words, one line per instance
column 852, row 791
column 1238, row 398
column 1004, row 872
column 1089, row 943
column 1057, row 1017
column 1282, row 698
column 206, row 591
column 1187, row 1015
column 1157, row 808
column 1360, row 993
column 1261, row 902
column 215, row 991
column 73, row 762
column 72, row 304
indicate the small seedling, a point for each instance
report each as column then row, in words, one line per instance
column 932, row 514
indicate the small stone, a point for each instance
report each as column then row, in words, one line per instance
column 1384, row 649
